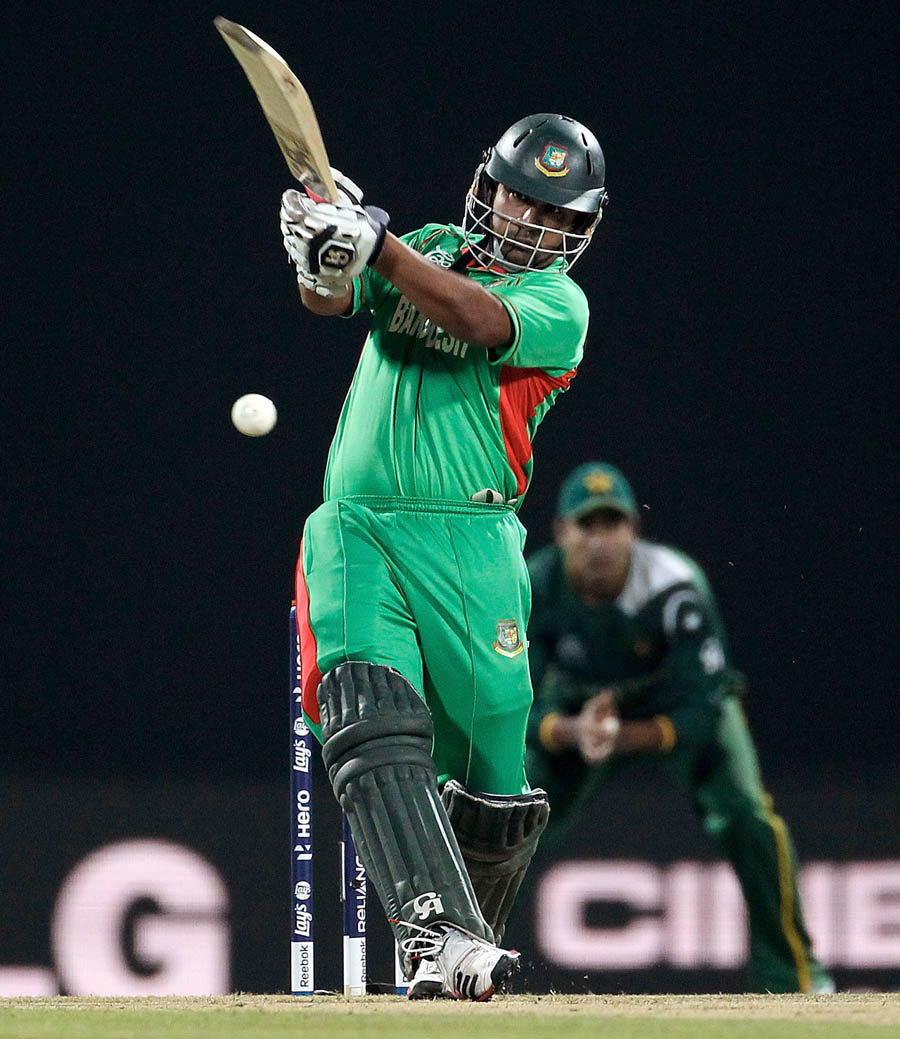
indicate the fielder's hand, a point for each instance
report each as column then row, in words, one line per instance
column 331, row 243
column 598, row 727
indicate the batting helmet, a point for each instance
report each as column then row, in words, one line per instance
column 550, row 158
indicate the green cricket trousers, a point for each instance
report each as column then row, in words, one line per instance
column 439, row 591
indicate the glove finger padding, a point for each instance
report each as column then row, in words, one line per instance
column 319, row 286
column 298, row 250
column 350, row 192
column 334, row 241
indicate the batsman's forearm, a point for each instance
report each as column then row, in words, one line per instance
column 459, row 306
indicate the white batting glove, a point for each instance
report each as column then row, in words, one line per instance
column 349, row 193
column 317, row 285
column 334, row 240
column 295, row 237
column 331, row 243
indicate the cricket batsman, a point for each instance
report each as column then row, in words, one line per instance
column 412, row 591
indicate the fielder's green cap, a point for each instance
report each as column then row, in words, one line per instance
column 595, row 485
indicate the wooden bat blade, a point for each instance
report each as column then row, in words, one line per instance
column 286, row 106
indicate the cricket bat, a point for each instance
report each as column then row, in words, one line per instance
column 286, row 106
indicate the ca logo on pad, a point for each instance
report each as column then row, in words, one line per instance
column 427, row 903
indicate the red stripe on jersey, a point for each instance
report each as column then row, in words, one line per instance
column 310, row 675
column 522, row 390
column 428, row 238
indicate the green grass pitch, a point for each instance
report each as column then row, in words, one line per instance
column 867, row 1016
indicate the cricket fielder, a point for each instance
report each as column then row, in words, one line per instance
column 628, row 655
column 412, row 590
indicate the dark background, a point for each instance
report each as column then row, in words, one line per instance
column 739, row 365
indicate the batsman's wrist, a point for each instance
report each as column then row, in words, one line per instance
column 380, row 220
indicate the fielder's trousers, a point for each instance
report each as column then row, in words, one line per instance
column 723, row 782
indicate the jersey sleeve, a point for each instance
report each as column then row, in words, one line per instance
column 695, row 677
column 549, row 315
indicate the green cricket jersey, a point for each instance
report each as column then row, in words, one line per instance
column 661, row 644
column 428, row 416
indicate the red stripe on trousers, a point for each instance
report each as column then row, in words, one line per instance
column 310, row 675
column 521, row 391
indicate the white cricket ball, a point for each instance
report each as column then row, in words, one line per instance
column 253, row 415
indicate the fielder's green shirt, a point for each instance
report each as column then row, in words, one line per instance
column 660, row 644
column 429, row 416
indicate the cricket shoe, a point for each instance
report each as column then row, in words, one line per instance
column 428, row 982
column 822, row 984
column 471, row 968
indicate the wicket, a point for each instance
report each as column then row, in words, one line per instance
column 354, row 883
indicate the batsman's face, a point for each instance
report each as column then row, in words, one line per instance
column 523, row 223
column 597, row 549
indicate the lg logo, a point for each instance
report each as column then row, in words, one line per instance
column 136, row 918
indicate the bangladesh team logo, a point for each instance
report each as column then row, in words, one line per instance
column 552, row 162
column 508, row 643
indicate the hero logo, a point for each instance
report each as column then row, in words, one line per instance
column 426, row 904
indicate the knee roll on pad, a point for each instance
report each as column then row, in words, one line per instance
column 377, row 734
column 373, row 707
column 498, row 835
